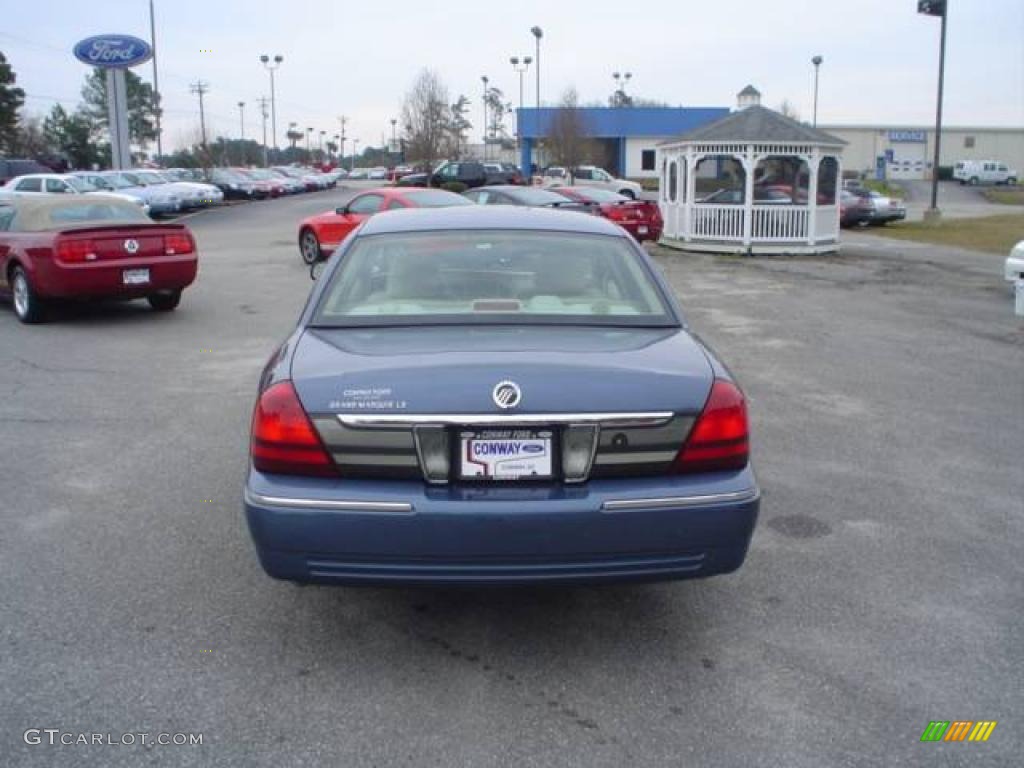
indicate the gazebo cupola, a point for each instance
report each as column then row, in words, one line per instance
column 754, row 181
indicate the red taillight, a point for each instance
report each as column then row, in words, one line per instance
column 283, row 439
column 720, row 439
column 178, row 243
column 615, row 212
column 76, row 251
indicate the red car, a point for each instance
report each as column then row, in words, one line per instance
column 89, row 246
column 641, row 218
column 267, row 184
column 319, row 235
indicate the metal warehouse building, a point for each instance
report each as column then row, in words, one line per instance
column 906, row 152
column 627, row 139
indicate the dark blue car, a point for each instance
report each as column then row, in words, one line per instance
column 491, row 395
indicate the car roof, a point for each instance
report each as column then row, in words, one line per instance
column 33, row 209
column 488, row 217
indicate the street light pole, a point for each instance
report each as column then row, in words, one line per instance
column 241, row 120
column 273, row 97
column 538, row 33
column 936, row 8
column 527, row 60
column 816, row 61
column 394, row 140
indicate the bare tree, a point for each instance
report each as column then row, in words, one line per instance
column 567, row 141
column 458, row 124
column 425, row 117
column 787, row 109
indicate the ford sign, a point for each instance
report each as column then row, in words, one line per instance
column 113, row 51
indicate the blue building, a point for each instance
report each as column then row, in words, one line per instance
column 626, row 137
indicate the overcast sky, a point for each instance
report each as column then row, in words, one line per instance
column 359, row 58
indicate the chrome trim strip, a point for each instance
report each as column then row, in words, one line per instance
column 345, row 506
column 624, row 505
column 606, row 420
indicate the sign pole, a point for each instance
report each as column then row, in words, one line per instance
column 117, row 115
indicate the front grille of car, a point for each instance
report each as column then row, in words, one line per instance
column 361, row 446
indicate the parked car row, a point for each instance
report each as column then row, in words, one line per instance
column 321, row 234
column 261, row 183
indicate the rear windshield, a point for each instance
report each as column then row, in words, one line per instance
column 600, row 195
column 436, row 198
column 531, row 196
column 499, row 277
column 79, row 210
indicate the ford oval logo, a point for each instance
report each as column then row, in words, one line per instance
column 113, row 51
column 506, row 394
column 533, row 449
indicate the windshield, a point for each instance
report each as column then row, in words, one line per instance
column 151, row 178
column 81, row 185
column 498, row 277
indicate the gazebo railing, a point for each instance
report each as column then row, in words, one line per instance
column 826, row 223
column 779, row 223
column 717, row 222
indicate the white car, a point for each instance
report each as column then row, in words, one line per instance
column 592, row 176
column 63, row 184
column 208, row 193
column 1014, row 269
column 984, row 172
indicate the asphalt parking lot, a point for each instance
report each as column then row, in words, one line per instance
column 882, row 590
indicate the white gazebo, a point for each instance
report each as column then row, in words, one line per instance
column 752, row 182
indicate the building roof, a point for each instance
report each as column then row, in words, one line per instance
column 749, row 91
column 758, row 124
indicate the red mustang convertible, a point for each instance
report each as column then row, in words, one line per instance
column 89, row 246
column 319, row 235
column 640, row 218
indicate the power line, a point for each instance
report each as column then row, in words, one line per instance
column 200, row 88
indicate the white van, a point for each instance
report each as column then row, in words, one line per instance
column 983, row 172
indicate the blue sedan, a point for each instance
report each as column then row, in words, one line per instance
column 491, row 395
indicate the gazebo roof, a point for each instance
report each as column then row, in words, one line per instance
column 757, row 124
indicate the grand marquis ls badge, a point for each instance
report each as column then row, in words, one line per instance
column 132, row 246
column 506, row 394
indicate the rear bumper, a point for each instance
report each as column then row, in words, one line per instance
column 401, row 532
column 105, row 278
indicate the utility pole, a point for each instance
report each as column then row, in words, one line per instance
column 262, row 101
column 199, row 88
column 936, row 8
column 156, row 82
column 484, row 102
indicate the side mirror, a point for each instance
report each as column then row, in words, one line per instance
column 317, row 269
column 342, row 210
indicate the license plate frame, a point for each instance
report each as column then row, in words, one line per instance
column 138, row 276
column 642, row 229
column 520, row 466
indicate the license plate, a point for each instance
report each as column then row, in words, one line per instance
column 135, row 276
column 506, row 454
column 642, row 229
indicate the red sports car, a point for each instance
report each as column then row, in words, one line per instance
column 89, row 246
column 319, row 235
column 640, row 218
